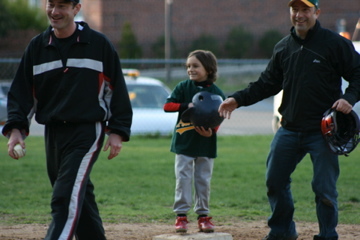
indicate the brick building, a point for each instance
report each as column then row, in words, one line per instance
column 191, row 18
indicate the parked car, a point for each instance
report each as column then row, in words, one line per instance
column 4, row 89
column 147, row 96
column 277, row 99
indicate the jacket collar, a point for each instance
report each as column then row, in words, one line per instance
column 309, row 35
column 81, row 32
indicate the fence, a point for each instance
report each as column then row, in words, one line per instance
column 233, row 75
column 158, row 67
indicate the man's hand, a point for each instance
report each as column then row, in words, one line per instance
column 343, row 106
column 227, row 106
column 114, row 141
column 15, row 138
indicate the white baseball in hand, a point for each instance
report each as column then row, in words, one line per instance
column 19, row 152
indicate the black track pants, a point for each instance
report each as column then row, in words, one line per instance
column 71, row 151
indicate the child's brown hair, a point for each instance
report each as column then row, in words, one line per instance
column 208, row 60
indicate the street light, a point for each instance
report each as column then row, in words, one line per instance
column 168, row 14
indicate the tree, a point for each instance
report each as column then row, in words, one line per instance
column 18, row 14
column 238, row 42
column 206, row 42
column 6, row 19
column 158, row 48
column 268, row 41
column 129, row 47
column 23, row 16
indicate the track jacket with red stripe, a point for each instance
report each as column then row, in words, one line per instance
column 82, row 84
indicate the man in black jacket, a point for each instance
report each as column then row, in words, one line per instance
column 307, row 65
column 70, row 77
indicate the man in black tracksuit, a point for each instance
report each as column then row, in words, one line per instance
column 307, row 65
column 70, row 77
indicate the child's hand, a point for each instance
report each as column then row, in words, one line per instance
column 204, row 132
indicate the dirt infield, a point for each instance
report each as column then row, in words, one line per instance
column 239, row 230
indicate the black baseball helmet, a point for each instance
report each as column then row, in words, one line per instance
column 341, row 131
column 205, row 111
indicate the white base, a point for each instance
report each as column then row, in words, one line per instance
column 194, row 236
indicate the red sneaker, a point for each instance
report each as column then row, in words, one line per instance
column 181, row 224
column 205, row 225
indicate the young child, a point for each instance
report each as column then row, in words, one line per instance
column 194, row 146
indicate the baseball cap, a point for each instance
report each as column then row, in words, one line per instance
column 310, row 3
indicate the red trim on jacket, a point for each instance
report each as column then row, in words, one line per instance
column 171, row 107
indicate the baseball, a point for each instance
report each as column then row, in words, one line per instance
column 19, row 152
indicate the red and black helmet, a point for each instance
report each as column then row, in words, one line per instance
column 205, row 111
column 341, row 131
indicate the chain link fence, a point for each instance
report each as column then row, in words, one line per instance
column 233, row 76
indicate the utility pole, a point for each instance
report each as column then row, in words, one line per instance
column 168, row 16
column 356, row 31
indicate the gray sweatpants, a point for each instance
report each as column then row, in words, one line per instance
column 189, row 170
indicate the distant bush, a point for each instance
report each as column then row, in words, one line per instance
column 238, row 43
column 129, row 48
column 268, row 41
column 6, row 20
column 158, row 48
column 206, row 42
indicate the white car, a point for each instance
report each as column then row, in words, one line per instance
column 277, row 99
column 148, row 96
column 4, row 89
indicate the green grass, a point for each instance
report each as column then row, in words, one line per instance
column 138, row 185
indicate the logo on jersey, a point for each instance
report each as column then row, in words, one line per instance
column 182, row 127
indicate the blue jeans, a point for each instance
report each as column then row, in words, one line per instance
column 287, row 150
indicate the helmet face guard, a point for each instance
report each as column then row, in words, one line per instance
column 341, row 131
column 205, row 111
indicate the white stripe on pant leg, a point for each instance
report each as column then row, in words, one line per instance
column 73, row 211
